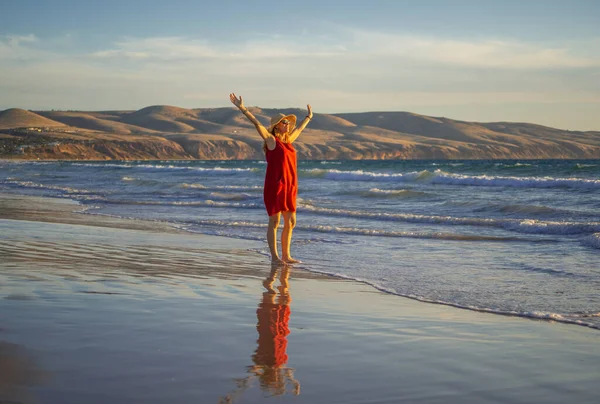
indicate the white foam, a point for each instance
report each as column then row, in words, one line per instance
column 549, row 227
column 522, row 226
column 441, row 177
column 360, row 231
column 557, row 317
column 407, row 234
column 229, row 196
column 195, row 186
column 395, row 192
column 30, row 184
column 217, row 170
column 248, row 188
column 207, row 202
column 505, row 165
column 360, row 175
column 115, row 165
column 236, row 223
column 235, row 187
column 220, row 170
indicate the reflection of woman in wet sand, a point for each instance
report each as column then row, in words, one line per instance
column 270, row 357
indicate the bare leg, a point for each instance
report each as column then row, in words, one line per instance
column 283, row 278
column 289, row 222
column 268, row 282
column 272, row 237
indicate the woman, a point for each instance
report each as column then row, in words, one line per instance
column 281, row 179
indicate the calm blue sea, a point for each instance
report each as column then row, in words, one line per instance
column 508, row 237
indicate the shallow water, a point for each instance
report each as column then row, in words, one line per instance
column 510, row 237
column 96, row 315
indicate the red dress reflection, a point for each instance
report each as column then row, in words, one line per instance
column 270, row 357
column 273, row 317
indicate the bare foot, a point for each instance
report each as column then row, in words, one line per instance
column 291, row 260
column 277, row 261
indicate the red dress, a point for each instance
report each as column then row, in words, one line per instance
column 281, row 179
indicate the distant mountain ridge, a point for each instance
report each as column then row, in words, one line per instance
column 163, row 131
column 17, row 118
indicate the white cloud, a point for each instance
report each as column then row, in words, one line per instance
column 162, row 48
column 353, row 50
column 505, row 54
column 16, row 40
column 180, row 48
column 350, row 70
column 25, row 48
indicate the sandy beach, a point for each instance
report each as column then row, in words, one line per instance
column 102, row 310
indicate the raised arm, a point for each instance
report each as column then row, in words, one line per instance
column 262, row 131
column 296, row 132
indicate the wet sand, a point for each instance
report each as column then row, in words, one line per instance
column 99, row 310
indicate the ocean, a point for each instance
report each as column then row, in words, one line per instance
column 518, row 238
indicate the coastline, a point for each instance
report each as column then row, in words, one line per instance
column 216, row 133
column 324, row 158
column 150, row 313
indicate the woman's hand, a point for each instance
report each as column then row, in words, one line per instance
column 309, row 113
column 238, row 102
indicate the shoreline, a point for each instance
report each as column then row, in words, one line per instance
column 61, row 211
column 64, row 211
column 128, row 312
column 4, row 159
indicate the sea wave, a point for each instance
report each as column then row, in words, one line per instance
column 363, row 231
column 585, row 315
column 146, row 182
column 512, row 165
column 448, row 164
column 223, row 187
column 393, row 193
column 444, row 178
column 441, row 177
column 405, row 234
column 592, row 240
column 217, row 227
column 528, row 226
column 221, row 196
column 227, row 200
column 194, row 186
column 220, row 170
column 30, row 184
column 104, row 165
column 521, row 209
column 360, row 175
column 208, row 202
column 214, row 170
column 566, row 318
column 551, row 227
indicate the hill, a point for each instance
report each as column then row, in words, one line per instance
column 20, row 118
column 162, row 131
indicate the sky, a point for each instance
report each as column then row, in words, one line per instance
column 534, row 61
